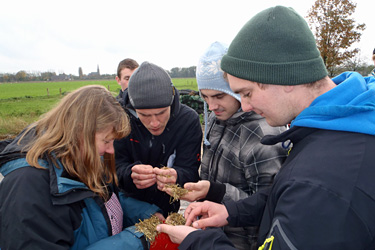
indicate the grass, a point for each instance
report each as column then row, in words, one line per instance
column 23, row 103
column 34, row 89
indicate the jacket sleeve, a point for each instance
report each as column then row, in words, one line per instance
column 129, row 238
column 124, row 163
column 307, row 216
column 135, row 210
column 212, row 238
column 188, row 153
column 249, row 211
column 32, row 219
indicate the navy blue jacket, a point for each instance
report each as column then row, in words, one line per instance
column 322, row 198
column 324, row 194
column 180, row 141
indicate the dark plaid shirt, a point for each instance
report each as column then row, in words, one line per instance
column 237, row 159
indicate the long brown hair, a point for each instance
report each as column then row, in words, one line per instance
column 67, row 132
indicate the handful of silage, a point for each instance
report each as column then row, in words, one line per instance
column 148, row 228
column 165, row 168
column 177, row 192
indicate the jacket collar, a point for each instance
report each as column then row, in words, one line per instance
column 292, row 135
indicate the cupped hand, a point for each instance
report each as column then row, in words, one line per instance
column 143, row 176
column 164, row 177
column 176, row 233
column 197, row 191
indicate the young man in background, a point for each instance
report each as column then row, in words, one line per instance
column 125, row 70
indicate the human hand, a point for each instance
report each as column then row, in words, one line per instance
column 143, row 176
column 197, row 190
column 159, row 216
column 165, row 176
column 211, row 214
column 176, row 233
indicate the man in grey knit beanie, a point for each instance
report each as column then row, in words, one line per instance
column 164, row 133
column 323, row 196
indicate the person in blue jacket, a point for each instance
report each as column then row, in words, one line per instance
column 373, row 58
column 323, row 197
column 60, row 187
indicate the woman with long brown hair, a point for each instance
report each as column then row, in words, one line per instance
column 60, row 187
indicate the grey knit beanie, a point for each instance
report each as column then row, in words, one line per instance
column 150, row 87
column 276, row 46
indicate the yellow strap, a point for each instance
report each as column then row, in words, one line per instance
column 289, row 150
column 267, row 243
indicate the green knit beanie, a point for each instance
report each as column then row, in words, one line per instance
column 276, row 46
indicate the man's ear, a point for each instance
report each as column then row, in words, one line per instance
column 118, row 80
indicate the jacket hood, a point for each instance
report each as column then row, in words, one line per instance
column 13, row 157
column 11, row 150
column 350, row 106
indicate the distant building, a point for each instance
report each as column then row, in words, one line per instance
column 94, row 74
column 61, row 77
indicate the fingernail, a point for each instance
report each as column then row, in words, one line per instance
column 195, row 224
column 158, row 228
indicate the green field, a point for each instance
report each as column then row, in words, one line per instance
column 23, row 103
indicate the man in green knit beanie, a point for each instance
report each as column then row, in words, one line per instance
column 324, row 195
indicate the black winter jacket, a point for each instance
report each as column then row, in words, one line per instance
column 327, row 182
column 181, row 138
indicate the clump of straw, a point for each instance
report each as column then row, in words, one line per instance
column 177, row 192
column 175, row 219
column 148, row 226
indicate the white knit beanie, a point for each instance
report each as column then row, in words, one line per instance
column 209, row 74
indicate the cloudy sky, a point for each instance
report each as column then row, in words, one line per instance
column 61, row 36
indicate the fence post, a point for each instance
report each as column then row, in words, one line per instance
column 60, row 91
column 108, row 88
column 47, row 92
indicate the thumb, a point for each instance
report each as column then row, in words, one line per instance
column 202, row 223
column 164, row 228
column 190, row 186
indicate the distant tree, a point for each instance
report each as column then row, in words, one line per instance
column 192, row 71
column 182, row 72
column 174, row 72
column 21, row 75
column 4, row 78
column 354, row 63
column 335, row 31
column 80, row 73
column 46, row 76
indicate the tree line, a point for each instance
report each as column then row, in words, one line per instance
column 353, row 64
column 23, row 76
